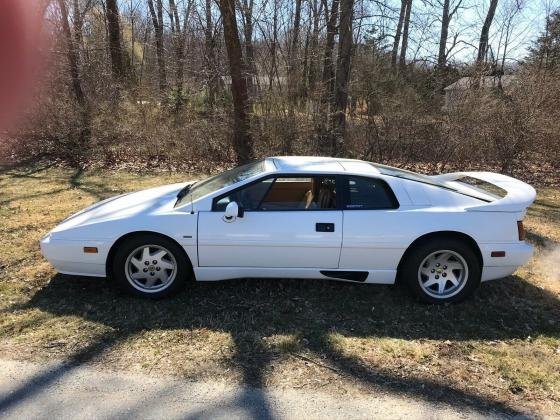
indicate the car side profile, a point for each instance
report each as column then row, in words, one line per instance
column 304, row 217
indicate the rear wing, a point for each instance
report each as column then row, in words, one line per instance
column 519, row 195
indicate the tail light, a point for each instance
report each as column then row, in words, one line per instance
column 521, row 230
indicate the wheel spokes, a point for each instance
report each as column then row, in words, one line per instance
column 146, row 253
column 137, row 263
column 150, row 268
column 159, row 255
column 166, row 265
column 453, row 279
column 138, row 276
column 442, row 273
column 431, row 282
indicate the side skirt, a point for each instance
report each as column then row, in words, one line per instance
column 362, row 276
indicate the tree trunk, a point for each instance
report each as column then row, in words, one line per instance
column 247, row 11
column 328, row 63
column 293, row 80
column 179, row 40
column 395, row 51
column 242, row 142
column 404, row 46
column 293, row 54
column 338, row 116
column 305, row 62
column 73, row 64
column 273, row 65
column 483, row 44
column 210, row 55
column 313, row 48
column 78, row 26
column 117, row 62
column 445, row 19
column 157, row 21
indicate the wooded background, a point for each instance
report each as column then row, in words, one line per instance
column 204, row 84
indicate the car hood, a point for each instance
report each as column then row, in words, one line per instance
column 129, row 205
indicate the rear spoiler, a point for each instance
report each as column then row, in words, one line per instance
column 519, row 195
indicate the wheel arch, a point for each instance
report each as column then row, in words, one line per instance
column 448, row 234
column 126, row 236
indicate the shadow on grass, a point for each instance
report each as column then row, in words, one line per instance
column 25, row 169
column 99, row 190
column 251, row 309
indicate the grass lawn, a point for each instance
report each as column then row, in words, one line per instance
column 500, row 349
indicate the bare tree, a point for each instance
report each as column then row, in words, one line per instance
column 179, row 34
column 449, row 9
column 293, row 52
column 397, row 40
column 157, row 21
column 78, row 18
column 293, row 78
column 404, row 46
column 344, row 77
column 338, row 117
column 242, row 141
column 483, row 43
column 74, row 67
column 115, row 47
column 210, row 54
column 247, row 14
column 328, row 63
column 274, row 44
column 510, row 14
column 316, row 9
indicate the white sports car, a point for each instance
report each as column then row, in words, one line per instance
column 304, row 217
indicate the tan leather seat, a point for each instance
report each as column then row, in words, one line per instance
column 323, row 199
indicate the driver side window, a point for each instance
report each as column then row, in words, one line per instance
column 249, row 198
column 284, row 193
column 301, row 193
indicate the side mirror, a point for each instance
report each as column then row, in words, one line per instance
column 233, row 211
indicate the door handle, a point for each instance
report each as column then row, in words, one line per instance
column 324, row 227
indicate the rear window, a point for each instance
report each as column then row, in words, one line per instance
column 425, row 179
column 411, row 176
column 484, row 186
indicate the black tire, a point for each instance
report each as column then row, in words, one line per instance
column 410, row 275
column 178, row 277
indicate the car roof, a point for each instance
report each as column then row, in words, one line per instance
column 297, row 164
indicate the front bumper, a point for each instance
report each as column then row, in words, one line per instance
column 68, row 257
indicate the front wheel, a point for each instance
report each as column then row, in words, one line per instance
column 442, row 271
column 151, row 266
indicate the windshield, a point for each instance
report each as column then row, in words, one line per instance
column 209, row 185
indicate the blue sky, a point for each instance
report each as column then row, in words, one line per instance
column 521, row 21
column 526, row 24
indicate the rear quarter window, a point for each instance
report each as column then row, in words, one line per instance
column 364, row 193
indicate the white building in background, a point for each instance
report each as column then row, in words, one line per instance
column 457, row 91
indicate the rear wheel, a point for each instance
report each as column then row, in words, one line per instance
column 151, row 266
column 442, row 271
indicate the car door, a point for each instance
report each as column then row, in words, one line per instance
column 287, row 222
column 372, row 227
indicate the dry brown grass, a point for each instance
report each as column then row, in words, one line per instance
column 500, row 349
